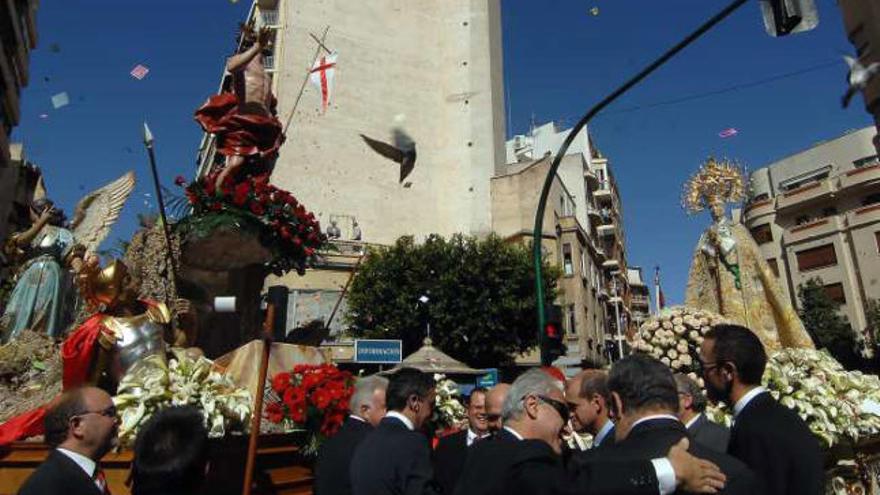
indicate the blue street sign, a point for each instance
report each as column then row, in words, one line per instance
column 378, row 351
column 490, row 379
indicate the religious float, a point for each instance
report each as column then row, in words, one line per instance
column 149, row 329
column 730, row 282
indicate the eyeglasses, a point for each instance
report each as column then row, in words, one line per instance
column 108, row 412
column 493, row 417
column 706, row 367
column 558, row 405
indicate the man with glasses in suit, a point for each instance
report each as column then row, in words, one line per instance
column 82, row 427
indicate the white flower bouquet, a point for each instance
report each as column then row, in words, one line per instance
column 448, row 410
column 151, row 385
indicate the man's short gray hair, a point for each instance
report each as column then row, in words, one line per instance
column 687, row 385
column 364, row 388
column 532, row 382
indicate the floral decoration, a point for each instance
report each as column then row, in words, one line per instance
column 285, row 226
column 449, row 412
column 152, row 384
column 314, row 398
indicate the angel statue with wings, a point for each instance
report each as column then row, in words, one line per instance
column 729, row 275
column 43, row 299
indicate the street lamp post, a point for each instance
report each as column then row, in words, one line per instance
column 537, row 234
column 617, row 316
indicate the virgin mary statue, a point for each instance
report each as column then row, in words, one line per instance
column 729, row 275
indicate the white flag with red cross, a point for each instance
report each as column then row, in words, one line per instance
column 322, row 75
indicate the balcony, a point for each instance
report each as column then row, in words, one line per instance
column 594, row 215
column 611, row 264
column 592, row 180
column 603, row 195
column 640, row 301
column 607, row 230
column 807, row 193
column 860, row 176
column 818, row 228
column 863, row 216
column 759, row 208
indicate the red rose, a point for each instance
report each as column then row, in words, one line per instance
column 321, row 399
column 280, row 382
column 209, row 186
column 285, row 233
column 274, row 412
column 298, row 413
column 180, row 180
column 257, row 208
column 309, row 251
column 297, row 241
column 216, row 206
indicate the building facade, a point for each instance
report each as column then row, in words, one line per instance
column 816, row 214
column 18, row 36
column 861, row 20
column 583, row 235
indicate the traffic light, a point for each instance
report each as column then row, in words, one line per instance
column 784, row 17
column 552, row 346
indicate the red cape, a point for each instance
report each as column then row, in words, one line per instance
column 241, row 134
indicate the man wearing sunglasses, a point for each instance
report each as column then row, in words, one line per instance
column 534, row 415
column 81, row 426
column 769, row 437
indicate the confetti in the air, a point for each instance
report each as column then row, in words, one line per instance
column 60, row 100
column 55, row 48
column 44, row 115
column 726, row 133
column 594, row 11
column 139, row 72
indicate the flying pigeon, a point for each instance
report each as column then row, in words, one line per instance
column 858, row 77
column 403, row 151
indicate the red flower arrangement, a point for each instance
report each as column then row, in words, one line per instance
column 312, row 397
column 285, row 225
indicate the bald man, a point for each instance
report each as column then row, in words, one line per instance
column 588, row 399
column 494, row 402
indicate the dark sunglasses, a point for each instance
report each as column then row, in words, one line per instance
column 558, row 405
column 108, row 412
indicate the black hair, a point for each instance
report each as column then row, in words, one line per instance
column 642, row 381
column 738, row 345
column 477, row 390
column 406, row 383
column 595, row 383
column 57, row 420
column 170, row 453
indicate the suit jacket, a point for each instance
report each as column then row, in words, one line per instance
column 608, row 441
column 709, row 434
column 392, row 460
column 59, row 475
column 653, row 439
column 776, row 443
column 449, row 457
column 509, row 466
column 334, row 458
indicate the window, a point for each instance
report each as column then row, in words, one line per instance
column 804, row 179
column 760, row 197
column 774, row 266
column 871, row 199
column 802, row 220
column 835, row 293
column 583, row 263
column 567, row 266
column 762, row 234
column 829, row 212
column 572, row 327
column 877, row 238
column 268, row 62
column 818, row 257
column 867, row 161
column 269, row 17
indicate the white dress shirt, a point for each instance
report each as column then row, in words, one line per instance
column 406, row 421
column 86, row 464
column 692, row 421
column 745, row 399
column 354, row 416
column 473, row 437
column 514, row 433
column 603, row 432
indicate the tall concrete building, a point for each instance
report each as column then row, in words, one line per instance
column 583, row 235
column 816, row 214
column 18, row 182
column 861, row 19
column 18, row 36
column 429, row 70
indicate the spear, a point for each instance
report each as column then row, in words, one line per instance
column 148, row 142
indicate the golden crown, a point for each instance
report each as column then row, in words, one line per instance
column 715, row 181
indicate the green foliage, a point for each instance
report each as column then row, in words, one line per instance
column 828, row 328
column 482, row 297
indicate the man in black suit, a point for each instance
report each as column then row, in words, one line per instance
column 81, row 427
column 395, row 457
column 171, row 453
column 588, row 399
column 451, row 451
column 645, row 401
column 524, row 458
column 769, row 437
column 691, row 412
column 367, row 408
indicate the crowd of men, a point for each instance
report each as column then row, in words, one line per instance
column 649, row 429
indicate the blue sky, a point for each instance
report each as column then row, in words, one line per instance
column 558, row 60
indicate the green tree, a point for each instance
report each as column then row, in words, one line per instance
column 828, row 328
column 482, row 297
